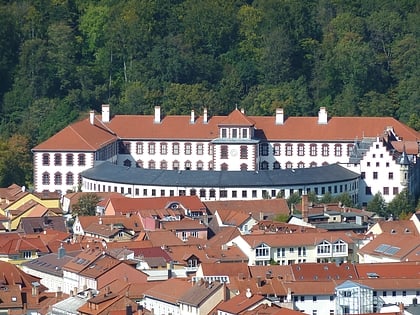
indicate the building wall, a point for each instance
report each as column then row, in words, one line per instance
column 314, row 304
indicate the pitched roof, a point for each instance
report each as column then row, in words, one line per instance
column 200, row 292
column 226, row 269
column 169, row 291
column 184, row 224
column 392, row 246
column 387, row 270
column 237, row 118
column 234, row 218
column 398, row 227
column 79, row 136
column 324, row 272
column 129, row 222
column 240, row 303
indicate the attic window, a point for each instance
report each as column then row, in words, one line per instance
column 407, row 230
column 373, row 275
column 14, row 298
column 393, row 231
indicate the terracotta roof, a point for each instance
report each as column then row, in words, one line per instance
column 223, row 236
column 240, row 303
column 399, row 227
column 103, row 196
column 129, row 222
column 237, row 118
column 234, row 218
column 80, row 136
column 282, row 272
column 409, row 270
column 23, row 243
column 170, row 290
column 99, row 266
column 184, row 224
column 182, row 253
column 200, row 292
column 30, row 225
column 163, row 238
column 282, row 227
column 83, row 260
column 410, row 147
column 226, row 269
column 265, row 309
column 260, row 209
column 392, row 246
column 152, row 252
column 313, row 287
column 324, row 272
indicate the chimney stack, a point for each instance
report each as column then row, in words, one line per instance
column 105, row 113
column 279, row 116
column 92, row 117
column 305, row 208
column 322, row 116
column 205, row 118
column 157, row 115
column 192, row 120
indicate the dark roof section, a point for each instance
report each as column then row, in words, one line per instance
column 108, row 172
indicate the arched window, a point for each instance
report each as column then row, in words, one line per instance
column 313, row 164
column 244, row 167
column 81, row 159
column 69, row 159
column 127, row 163
column 200, row 165
column 139, row 163
column 152, row 164
column 175, row 165
column 202, row 193
column 45, row 178
column 163, row 165
column 193, row 192
column 212, row 193
column 276, row 165
column 187, row 165
column 224, row 167
column 69, row 179
column 289, row 164
column 45, row 159
column 57, row 159
column 324, row 163
column 58, row 179
column 264, row 165
column 301, row 164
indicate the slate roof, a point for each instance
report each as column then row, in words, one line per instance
column 109, row 172
column 50, row 264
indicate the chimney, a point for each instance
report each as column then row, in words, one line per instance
column 279, row 116
column 401, row 305
column 205, row 118
column 243, row 111
column 128, row 310
column 259, row 281
column 61, row 252
column 305, row 208
column 92, row 117
column 322, row 116
column 105, row 113
column 192, row 120
column 157, row 115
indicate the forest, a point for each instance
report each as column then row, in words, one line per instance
column 62, row 58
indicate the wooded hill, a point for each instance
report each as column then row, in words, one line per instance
column 61, row 58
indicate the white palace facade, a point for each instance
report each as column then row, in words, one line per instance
column 382, row 151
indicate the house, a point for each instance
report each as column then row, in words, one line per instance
column 94, row 268
column 242, row 302
column 16, row 248
column 285, row 249
column 234, row 142
column 31, row 225
column 70, row 199
column 21, row 293
column 186, row 228
column 244, row 222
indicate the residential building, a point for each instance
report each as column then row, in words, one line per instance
column 235, row 142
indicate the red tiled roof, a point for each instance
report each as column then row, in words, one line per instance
column 169, row 291
column 80, row 136
column 324, row 272
column 184, row 224
column 237, row 118
column 258, row 208
column 408, row 270
column 129, row 222
column 240, row 303
column 400, row 227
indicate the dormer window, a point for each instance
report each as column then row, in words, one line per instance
column 224, row 133
column 244, row 133
column 234, row 133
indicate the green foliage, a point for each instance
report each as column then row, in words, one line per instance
column 293, row 200
column 377, row 205
column 401, row 204
column 86, row 206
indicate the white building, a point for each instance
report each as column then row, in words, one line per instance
column 373, row 146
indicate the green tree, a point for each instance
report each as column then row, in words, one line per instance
column 293, row 200
column 401, row 203
column 344, row 199
column 377, row 205
column 86, row 206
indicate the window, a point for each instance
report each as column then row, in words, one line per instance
column 254, row 194
column 289, row 165
column 163, row 148
column 244, row 133
column 224, row 167
column 224, row 152
column 340, row 247
column 175, row 148
column 325, row 150
column 301, row 149
column 163, row 165
column 45, row 159
column 244, row 193
column 187, row 149
column 375, row 175
column 187, row 165
column 81, row 159
column 58, row 178
column 139, row 163
column 301, row 165
column 212, row 193
column 45, row 178
column 386, row 191
column 276, row 165
column 276, row 149
column 234, row 133
column 301, row 251
column 368, row 190
column 200, row 149
column 390, row 175
column 262, row 251
column 243, row 152
column 264, row 165
column 223, row 193
column 224, row 133
column 139, row 148
column 175, row 165
column 363, row 175
column 211, row 166
column 312, row 149
column 395, row 191
column 368, row 164
column 324, row 248
column 377, row 164
column 338, row 150
column 69, row 179
column 69, row 159
column 281, row 252
column 264, row 149
column 152, row 148
column 127, row 163
column 234, row 194
column 200, row 165
column 202, row 193
column 314, row 298
column 312, row 164
column 152, row 164
column 57, row 159
column 244, row 167
column 289, row 149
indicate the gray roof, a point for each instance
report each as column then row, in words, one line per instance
column 108, row 172
column 51, row 264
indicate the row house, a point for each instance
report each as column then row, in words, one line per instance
column 286, row 249
column 232, row 143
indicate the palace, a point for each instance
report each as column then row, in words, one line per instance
column 381, row 151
